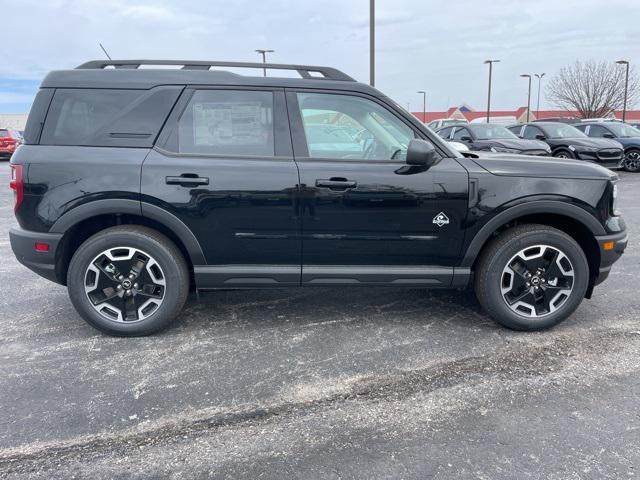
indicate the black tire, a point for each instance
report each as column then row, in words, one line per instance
column 489, row 275
column 631, row 162
column 174, row 271
column 563, row 153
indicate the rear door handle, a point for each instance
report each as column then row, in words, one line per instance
column 187, row 180
column 336, row 183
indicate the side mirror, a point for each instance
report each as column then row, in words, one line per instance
column 466, row 138
column 540, row 137
column 422, row 153
column 608, row 135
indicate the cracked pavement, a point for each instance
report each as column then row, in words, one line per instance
column 321, row 383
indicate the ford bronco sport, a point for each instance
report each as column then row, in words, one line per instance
column 136, row 185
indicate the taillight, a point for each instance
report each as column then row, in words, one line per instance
column 17, row 185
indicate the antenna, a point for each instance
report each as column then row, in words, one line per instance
column 105, row 51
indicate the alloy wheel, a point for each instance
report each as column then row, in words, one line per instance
column 537, row 281
column 632, row 161
column 125, row 284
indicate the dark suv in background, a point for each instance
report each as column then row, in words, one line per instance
column 625, row 134
column 567, row 141
column 135, row 185
column 493, row 138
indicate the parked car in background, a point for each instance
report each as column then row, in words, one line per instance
column 445, row 122
column 566, row 141
column 9, row 141
column 497, row 120
column 628, row 136
column 493, row 138
column 558, row 119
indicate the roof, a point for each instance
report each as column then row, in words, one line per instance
column 127, row 74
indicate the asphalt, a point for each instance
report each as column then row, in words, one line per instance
column 321, row 383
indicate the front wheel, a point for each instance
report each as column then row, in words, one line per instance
column 531, row 277
column 128, row 281
column 632, row 161
column 562, row 153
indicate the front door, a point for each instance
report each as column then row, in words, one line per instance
column 367, row 216
column 224, row 167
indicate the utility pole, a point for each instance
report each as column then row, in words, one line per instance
column 424, row 105
column 263, row 52
column 528, row 95
column 539, row 76
column 626, row 87
column 372, row 42
column 490, row 62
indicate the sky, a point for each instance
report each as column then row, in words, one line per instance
column 433, row 45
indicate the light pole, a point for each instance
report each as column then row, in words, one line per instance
column 490, row 62
column 626, row 86
column 529, row 95
column 539, row 76
column 424, row 105
column 263, row 52
column 372, row 42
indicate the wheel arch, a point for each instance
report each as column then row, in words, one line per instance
column 86, row 220
column 570, row 219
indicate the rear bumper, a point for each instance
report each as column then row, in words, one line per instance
column 23, row 246
column 610, row 256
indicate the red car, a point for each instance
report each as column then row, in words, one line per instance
column 9, row 141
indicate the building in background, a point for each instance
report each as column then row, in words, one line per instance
column 13, row 121
column 464, row 112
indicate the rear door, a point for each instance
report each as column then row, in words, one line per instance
column 223, row 165
column 367, row 216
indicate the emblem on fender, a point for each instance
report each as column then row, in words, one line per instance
column 441, row 219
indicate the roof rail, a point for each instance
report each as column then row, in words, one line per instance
column 305, row 71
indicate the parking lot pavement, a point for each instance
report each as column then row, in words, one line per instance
column 321, row 383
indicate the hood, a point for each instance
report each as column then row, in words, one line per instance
column 588, row 142
column 542, row 167
column 519, row 144
column 629, row 141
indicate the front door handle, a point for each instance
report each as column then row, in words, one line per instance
column 187, row 180
column 335, row 183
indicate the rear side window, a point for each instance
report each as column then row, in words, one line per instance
column 107, row 117
column 227, row 122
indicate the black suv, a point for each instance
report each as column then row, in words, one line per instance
column 625, row 134
column 493, row 138
column 135, row 185
column 567, row 141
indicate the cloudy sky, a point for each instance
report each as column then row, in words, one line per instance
column 432, row 45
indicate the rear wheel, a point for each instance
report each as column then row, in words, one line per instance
column 632, row 160
column 128, row 281
column 531, row 277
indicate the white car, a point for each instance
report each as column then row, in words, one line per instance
column 445, row 122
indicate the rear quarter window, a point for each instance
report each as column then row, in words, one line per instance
column 107, row 117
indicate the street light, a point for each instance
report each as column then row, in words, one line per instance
column 529, row 95
column 490, row 62
column 626, row 86
column 424, row 105
column 539, row 76
column 263, row 52
column 372, row 42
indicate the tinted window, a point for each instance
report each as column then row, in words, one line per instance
column 460, row 132
column 598, row 131
column 531, row 132
column 107, row 117
column 227, row 122
column 516, row 129
column 351, row 127
column 445, row 132
column 491, row 132
column 582, row 128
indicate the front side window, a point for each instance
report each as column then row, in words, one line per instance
column 531, row 133
column 445, row 132
column 598, row 131
column 461, row 133
column 227, row 122
column 351, row 127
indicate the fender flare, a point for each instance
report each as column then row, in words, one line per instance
column 133, row 207
column 529, row 208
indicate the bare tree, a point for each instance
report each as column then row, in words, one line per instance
column 594, row 89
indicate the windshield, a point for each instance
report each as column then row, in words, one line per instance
column 490, row 132
column 623, row 130
column 560, row 130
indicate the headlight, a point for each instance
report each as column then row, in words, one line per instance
column 504, row 150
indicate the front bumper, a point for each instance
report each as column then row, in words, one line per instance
column 611, row 249
column 43, row 263
column 608, row 157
